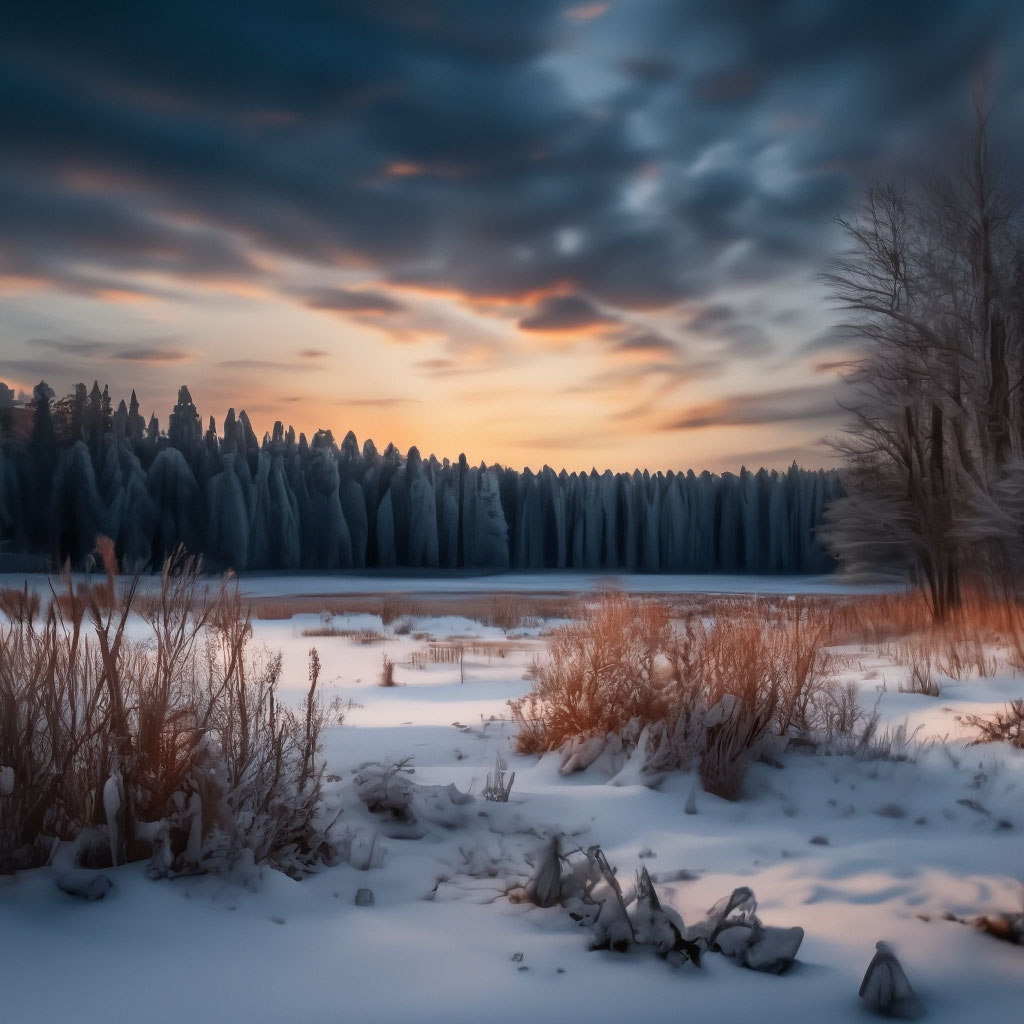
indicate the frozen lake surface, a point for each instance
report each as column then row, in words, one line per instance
column 314, row 583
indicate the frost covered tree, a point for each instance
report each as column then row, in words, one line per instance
column 931, row 284
column 284, row 503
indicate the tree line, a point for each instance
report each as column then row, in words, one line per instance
column 76, row 469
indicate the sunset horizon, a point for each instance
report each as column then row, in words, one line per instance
column 589, row 240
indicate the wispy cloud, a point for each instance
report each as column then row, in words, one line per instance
column 153, row 354
column 784, row 405
column 350, row 300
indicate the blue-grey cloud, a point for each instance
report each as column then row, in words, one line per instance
column 695, row 145
column 564, row 313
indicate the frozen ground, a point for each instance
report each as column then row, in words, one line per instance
column 377, row 582
column 894, row 843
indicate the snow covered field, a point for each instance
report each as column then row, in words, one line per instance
column 853, row 851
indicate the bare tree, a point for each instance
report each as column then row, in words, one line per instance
column 934, row 477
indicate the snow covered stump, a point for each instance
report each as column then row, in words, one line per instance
column 885, row 987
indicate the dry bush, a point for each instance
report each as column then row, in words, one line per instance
column 704, row 692
column 919, row 661
column 19, row 605
column 958, row 645
column 174, row 746
column 513, row 611
column 359, row 636
column 53, row 735
column 599, row 674
column 394, row 607
column 1006, row 726
column 387, row 672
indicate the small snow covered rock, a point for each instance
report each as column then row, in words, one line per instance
column 691, row 801
column 885, row 987
column 772, row 949
column 85, row 884
column 653, row 923
column 545, row 885
column 732, row 941
column 581, row 752
column 583, row 913
column 364, row 898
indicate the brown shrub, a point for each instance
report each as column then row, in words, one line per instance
column 1006, row 726
column 19, row 605
column 185, row 726
column 599, row 674
column 711, row 690
column 387, row 672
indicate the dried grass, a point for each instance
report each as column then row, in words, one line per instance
column 1006, row 726
column 19, row 605
column 387, row 672
column 505, row 611
column 707, row 683
column 186, row 723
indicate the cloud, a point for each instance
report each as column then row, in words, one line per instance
column 699, row 147
column 564, row 313
column 144, row 351
column 646, row 343
column 650, row 68
column 153, row 354
column 784, row 405
column 451, row 367
column 375, row 402
column 726, row 323
column 832, row 338
column 313, row 353
column 586, row 12
column 349, row 300
column 70, row 346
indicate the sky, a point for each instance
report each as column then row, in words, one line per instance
column 537, row 232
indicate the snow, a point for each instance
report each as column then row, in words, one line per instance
column 894, row 843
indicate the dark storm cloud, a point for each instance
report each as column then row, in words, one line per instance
column 695, row 146
column 564, row 313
